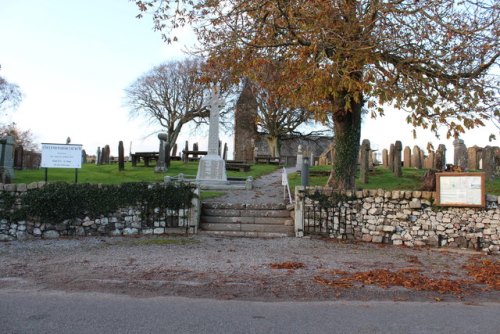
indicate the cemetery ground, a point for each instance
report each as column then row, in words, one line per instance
column 379, row 178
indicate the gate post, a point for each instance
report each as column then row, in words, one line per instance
column 299, row 211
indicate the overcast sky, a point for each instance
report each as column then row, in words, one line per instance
column 73, row 60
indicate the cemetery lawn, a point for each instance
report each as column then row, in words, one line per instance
column 109, row 174
column 382, row 178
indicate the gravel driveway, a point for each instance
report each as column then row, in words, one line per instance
column 233, row 268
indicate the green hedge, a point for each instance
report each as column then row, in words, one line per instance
column 57, row 202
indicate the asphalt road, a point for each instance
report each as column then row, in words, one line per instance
column 77, row 313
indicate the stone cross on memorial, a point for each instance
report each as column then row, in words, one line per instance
column 212, row 168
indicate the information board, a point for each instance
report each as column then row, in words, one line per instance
column 61, row 156
column 460, row 189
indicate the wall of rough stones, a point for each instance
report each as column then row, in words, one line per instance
column 407, row 218
column 126, row 221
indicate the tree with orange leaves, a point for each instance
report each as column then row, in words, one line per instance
column 432, row 59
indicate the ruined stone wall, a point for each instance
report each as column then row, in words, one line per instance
column 406, row 218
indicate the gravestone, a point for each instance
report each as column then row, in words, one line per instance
column 440, row 158
column 98, row 156
column 416, row 158
column 460, row 154
column 398, row 147
column 195, row 148
column 385, row 161
column 407, row 157
column 174, row 150
column 84, row 157
column 300, row 157
column 212, row 168
column 429, row 161
column 370, row 159
column 185, row 156
column 391, row 158
column 489, row 162
column 473, row 157
column 160, row 164
column 224, row 154
column 364, row 152
column 121, row 156
column 7, row 159
column 18, row 157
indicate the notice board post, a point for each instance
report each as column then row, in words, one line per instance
column 61, row 156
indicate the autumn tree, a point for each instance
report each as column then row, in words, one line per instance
column 171, row 95
column 10, row 95
column 24, row 138
column 431, row 59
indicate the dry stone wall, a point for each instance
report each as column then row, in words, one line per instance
column 125, row 221
column 406, row 218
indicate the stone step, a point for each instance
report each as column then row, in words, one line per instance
column 245, row 234
column 236, row 227
column 243, row 206
column 246, row 220
column 245, row 213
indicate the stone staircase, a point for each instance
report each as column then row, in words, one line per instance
column 247, row 220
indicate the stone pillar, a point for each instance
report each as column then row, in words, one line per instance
column 185, row 156
column 195, row 148
column 440, row 158
column 460, row 153
column 160, row 164
column 364, row 152
column 224, row 153
column 398, row 147
column 7, row 159
column 407, row 157
column 391, row 158
column 416, row 158
column 385, row 159
column 472, row 158
column 174, row 150
column 429, row 162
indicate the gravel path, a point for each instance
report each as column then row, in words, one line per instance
column 224, row 268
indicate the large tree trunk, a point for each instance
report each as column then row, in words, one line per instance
column 347, row 133
column 273, row 146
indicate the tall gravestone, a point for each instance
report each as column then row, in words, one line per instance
column 300, row 158
column 489, row 162
column 385, row 159
column 440, row 158
column 174, row 150
column 416, row 158
column 185, row 156
column 121, row 156
column 364, row 152
column 407, row 157
column 472, row 158
column 429, row 161
column 98, row 156
column 460, row 154
column 7, row 159
column 398, row 147
column 391, row 158
column 212, row 168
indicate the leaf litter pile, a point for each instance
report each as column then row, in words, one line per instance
column 482, row 272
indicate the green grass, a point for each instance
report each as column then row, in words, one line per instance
column 109, row 174
column 382, row 178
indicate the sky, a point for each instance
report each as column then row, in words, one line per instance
column 73, row 60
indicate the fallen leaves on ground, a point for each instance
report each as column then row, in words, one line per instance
column 287, row 265
column 485, row 272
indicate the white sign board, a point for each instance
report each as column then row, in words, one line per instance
column 460, row 189
column 61, row 156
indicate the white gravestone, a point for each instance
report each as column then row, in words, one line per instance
column 212, row 168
